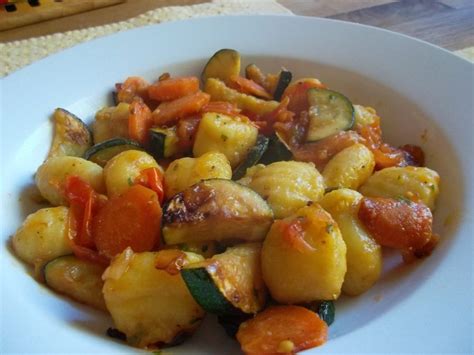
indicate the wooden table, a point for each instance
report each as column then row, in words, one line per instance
column 447, row 23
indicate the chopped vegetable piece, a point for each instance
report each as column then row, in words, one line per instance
column 228, row 283
column 247, row 86
column 297, row 93
column 329, row 112
column 153, row 179
column 278, row 329
column 222, row 65
column 132, row 219
column 139, row 122
column 71, row 136
column 253, row 156
column 169, row 112
column 173, row 88
column 403, row 225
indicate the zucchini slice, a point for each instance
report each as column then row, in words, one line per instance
column 330, row 112
column 77, row 278
column 163, row 142
column 222, row 65
column 216, row 209
column 253, row 156
column 102, row 152
column 277, row 151
column 284, row 79
column 71, row 136
column 228, row 283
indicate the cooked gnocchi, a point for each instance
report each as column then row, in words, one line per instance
column 286, row 185
column 43, row 236
column 184, row 172
column 121, row 171
column 364, row 254
column 230, row 136
column 256, row 198
column 52, row 175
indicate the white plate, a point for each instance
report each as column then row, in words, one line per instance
column 418, row 89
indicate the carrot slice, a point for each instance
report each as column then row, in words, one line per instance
column 282, row 329
column 168, row 113
column 153, row 179
column 132, row 219
column 403, row 225
column 139, row 122
column 248, row 86
column 173, row 88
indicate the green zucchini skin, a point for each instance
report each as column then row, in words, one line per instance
column 232, row 323
column 253, row 157
column 325, row 309
column 206, row 293
column 222, row 65
column 329, row 113
column 163, row 142
column 230, row 283
column 276, row 151
column 102, row 152
column 283, row 81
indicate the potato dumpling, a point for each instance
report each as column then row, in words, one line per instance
column 364, row 115
column 111, row 122
column 52, row 174
column 364, row 254
column 304, row 257
column 43, row 236
column 413, row 183
column 349, row 168
column 121, row 171
column 184, row 172
column 230, row 136
column 285, row 185
column 150, row 305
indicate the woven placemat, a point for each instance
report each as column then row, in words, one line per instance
column 17, row 54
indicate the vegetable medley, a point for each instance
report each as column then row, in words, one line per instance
column 257, row 198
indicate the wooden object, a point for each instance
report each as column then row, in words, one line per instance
column 24, row 12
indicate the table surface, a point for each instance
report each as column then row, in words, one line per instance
column 447, row 23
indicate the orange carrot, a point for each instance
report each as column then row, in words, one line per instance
column 173, row 88
column 132, row 88
column 153, row 179
column 139, row 122
column 403, row 225
column 132, row 219
column 168, row 113
column 248, row 86
column 282, row 329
